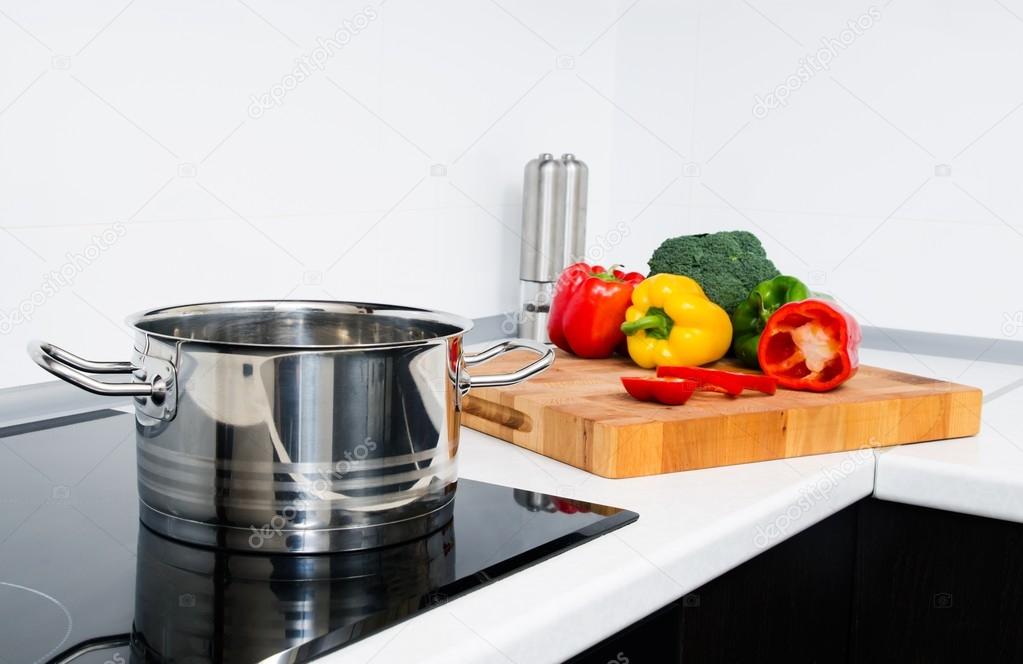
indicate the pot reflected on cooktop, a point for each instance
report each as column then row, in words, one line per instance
column 196, row 604
column 78, row 573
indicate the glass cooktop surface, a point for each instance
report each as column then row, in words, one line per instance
column 82, row 580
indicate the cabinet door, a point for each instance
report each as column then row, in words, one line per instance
column 653, row 640
column 791, row 603
column 935, row 586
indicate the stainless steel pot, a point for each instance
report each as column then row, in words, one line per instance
column 295, row 426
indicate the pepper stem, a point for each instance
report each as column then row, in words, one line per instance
column 608, row 274
column 656, row 323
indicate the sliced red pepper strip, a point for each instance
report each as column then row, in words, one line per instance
column 731, row 382
column 667, row 391
column 707, row 387
column 810, row 345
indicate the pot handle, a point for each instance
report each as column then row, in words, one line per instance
column 540, row 365
column 71, row 368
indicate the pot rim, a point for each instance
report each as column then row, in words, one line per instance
column 460, row 323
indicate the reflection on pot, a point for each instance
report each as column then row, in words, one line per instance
column 195, row 604
column 345, row 414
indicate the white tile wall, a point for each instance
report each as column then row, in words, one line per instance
column 889, row 179
column 394, row 172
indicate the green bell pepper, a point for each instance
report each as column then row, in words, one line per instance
column 750, row 317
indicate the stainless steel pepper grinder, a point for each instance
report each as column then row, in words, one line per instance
column 577, row 177
column 553, row 232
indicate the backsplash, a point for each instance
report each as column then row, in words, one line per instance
column 154, row 153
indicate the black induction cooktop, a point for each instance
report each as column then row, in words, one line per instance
column 81, row 580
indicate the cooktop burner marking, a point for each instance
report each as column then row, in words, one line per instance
column 67, row 614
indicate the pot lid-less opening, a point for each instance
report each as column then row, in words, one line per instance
column 299, row 324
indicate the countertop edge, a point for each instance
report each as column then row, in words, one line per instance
column 950, row 486
column 508, row 621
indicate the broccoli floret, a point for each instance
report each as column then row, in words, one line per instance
column 727, row 264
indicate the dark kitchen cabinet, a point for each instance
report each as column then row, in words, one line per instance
column 771, row 608
column 876, row 582
column 655, row 639
column 935, row 586
column 792, row 602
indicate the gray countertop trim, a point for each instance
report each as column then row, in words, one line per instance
column 43, row 401
column 982, row 349
column 1000, row 350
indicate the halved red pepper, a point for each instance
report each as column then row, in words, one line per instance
column 810, row 345
column 588, row 309
column 730, row 382
column 668, row 391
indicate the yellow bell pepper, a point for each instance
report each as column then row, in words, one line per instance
column 672, row 323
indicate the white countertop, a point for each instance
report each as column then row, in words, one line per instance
column 695, row 526
column 982, row 475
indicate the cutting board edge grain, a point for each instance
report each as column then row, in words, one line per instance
column 577, row 413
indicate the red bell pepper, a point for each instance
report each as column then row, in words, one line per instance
column 810, row 345
column 588, row 309
column 729, row 382
column 569, row 506
column 668, row 391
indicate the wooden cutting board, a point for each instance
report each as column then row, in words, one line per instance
column 577, row 412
